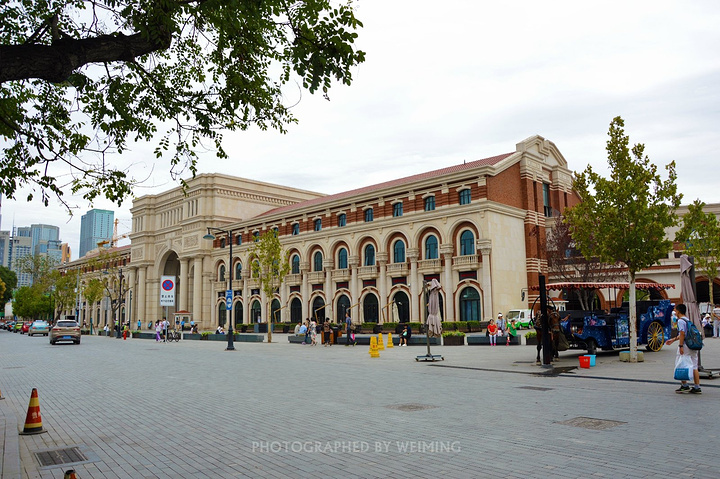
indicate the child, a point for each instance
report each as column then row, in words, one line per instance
column 403, row 337
column 492, row 332
column 511, row 332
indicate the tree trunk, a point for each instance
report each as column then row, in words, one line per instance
column 269, row 323
column 633, row 320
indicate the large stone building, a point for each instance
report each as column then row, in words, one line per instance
column 476, row 227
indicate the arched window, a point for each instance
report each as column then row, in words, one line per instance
column 238, row 270
column 317, row 261
column 370, row 309
column 369, row 255
column 465, row 197
column 467, row 243
column 470, row 305
column 221, row 275
column 342, row 259
column 238, row 314
column 399, row 252
column 368, row 215
column 431, row 247
column 342, row 219
column 295, row 310
column 430, row 203
column 295, row 264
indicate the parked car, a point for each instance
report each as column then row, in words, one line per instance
column 39, row 327
column 25, row 327
column 65, row 330
column 522, row 317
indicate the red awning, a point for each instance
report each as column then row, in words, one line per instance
column 609, row 285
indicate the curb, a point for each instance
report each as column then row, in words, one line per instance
column 10, row 458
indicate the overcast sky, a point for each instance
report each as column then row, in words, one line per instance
column 463, row 80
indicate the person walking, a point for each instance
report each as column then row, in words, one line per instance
column 326, row 333
column 139, row 325
column 158, row 330
column 492, row 332
column 313, row 332
column 692, row 354
column 716, row 321
column 348, row 328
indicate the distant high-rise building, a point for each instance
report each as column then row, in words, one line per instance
column 66, row 253
column 20, row 245
column 5, row 248
column 95, row 226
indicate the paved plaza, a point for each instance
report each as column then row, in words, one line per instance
column 141, row 409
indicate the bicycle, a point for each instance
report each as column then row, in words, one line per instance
column 173, row 335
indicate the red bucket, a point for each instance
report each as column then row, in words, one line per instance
column 584, row 361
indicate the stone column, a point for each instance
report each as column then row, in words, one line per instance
column 131, row 300
column 485, row 247
column 284, row 307
column 446, row 250
column 327, row 268
column 354, row 264
column 183, row 299
column 416, row 309
column 246, row 295
column 382, row 259
column 304, row 269
column 142, row 295
column 197, row 289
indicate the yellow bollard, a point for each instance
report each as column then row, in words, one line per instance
column 380, row 345
column 390, row 344
column 374, row 353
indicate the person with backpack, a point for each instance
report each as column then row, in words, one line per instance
column 686, row 338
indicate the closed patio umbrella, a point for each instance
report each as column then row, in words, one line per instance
column 433, row 325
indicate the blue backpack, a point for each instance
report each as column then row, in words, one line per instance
column 693, row 338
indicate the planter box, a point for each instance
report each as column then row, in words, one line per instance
column 192, row 336
column 531, row 341
column 453, row 341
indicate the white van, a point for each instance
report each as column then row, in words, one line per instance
column 522, row 317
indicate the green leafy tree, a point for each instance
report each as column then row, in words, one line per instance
column 700, row 232
column 92, row 291
column 32, row 303
column 64, row 291
column 622, row 219
column 269, row 267
column 9, row 278
column 81, row 79
column 114, row 284
column 40, row 268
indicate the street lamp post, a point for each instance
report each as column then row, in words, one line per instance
column 118, row 323
column 229, row 292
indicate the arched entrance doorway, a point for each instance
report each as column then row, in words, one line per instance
column 470, row 309
column 403, row 307
column 318, row 309
column 275, row 311
column 238, row 314
column 370, row 308
column 343, row 304
column 295, row 310
column 222, row 314
column 255, row 311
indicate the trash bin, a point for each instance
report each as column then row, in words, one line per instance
column 262, row 327
column 335, row 330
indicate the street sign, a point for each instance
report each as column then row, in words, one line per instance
column 167, row 291
column 228, row 299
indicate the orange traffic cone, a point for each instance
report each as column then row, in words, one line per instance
column 33, row 421
column 1, row 396
column 70, row 474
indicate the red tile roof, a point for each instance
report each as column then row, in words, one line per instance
column 392, row 183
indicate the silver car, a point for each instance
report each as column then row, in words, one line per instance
column 39, row 327
column 65, row 330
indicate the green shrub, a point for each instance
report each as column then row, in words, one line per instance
column 450, row 325
column 389, row 327
column 452, row 333
column 530, row 334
